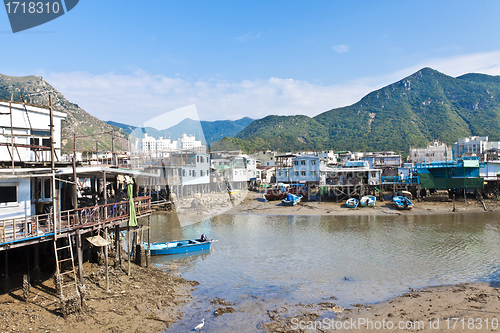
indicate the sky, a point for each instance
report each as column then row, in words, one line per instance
column 132, row 61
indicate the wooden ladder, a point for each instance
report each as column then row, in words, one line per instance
column 65, row 278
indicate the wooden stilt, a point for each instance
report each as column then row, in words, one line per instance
column 79, row 252
column 106, row 258
column 6, row 278
column 148, row 255
column 36, row 269
column 129, row 248
column 118, row 248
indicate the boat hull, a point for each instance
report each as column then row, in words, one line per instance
column 274, row 195
column 296, row 199
column 402, row 203
column 352, row 203
column 178, row 247
column 368, row 201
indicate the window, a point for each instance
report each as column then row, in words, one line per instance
column 280, row 173
column 194, row 173
column 34, row 142
column 46, row 142
column 8, row 194
column 296, row 173
column 47, row 189
column 313, row 162
column 184, row 173
column 302, row 173
column 302, row 162
column 313, row 173
column 190, row 173
column 295, row 162
column 197, row 158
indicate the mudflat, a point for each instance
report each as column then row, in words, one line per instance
column 148, row 300
column 254, row 203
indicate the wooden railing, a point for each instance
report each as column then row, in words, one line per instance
column 23, row 228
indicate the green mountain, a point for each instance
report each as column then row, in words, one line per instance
column 212, row 131
column 412, row 112
column 87, row 128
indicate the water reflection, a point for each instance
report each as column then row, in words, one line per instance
column 261, row 261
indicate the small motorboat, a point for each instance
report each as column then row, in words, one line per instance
column 367, row 201
column 274, row 195
column 183, row 246
column 352, row 203
column 291, row 199
column 402, row 202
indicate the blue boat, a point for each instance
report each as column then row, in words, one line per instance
column 182, row 246
column 402, row 202
column 291, row 199
column 367, row 201
column 352, row 203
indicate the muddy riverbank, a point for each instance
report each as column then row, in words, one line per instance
column 456, row 308
column 254, row 203
column 148, row 300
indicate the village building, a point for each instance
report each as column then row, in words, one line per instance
column 474, row 146
column 435, row 152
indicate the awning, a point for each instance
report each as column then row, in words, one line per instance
column 98, row 241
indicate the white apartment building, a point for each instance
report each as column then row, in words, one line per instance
column 432, row 153
column 473, row 146
column 155, row 147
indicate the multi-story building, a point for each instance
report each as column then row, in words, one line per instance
column 474, row 146
column 27, row 136
column 432, row 153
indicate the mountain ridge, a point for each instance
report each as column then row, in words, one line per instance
column 212, row 131
column 422, row 107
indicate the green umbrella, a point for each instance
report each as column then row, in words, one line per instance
column 132, row 220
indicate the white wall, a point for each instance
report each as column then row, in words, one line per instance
column 22, row 207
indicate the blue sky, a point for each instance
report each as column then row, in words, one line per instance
column 130, row 61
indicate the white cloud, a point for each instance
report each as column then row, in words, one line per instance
column 137, row 97
column 246, row 37
column 341, row 48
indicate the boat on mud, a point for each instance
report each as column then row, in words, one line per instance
column 402, row 202
column 352, row 203
column 291, row 199
column 367, row 201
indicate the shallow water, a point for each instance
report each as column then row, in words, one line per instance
column 261, row 262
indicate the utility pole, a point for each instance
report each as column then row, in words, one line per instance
column 52, row 167
column 11, row 130
column 113, row 156
column 75, row 202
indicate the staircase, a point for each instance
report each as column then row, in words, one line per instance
column 68, row 278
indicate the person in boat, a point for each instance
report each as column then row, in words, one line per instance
column 203, row 238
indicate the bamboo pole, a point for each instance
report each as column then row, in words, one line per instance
column 106, row 258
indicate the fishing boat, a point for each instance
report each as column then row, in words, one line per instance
column 276, row 194
column 183, row 246
column 367, row 201
column 352, row 203
column 291, row 199
column 402, row 202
